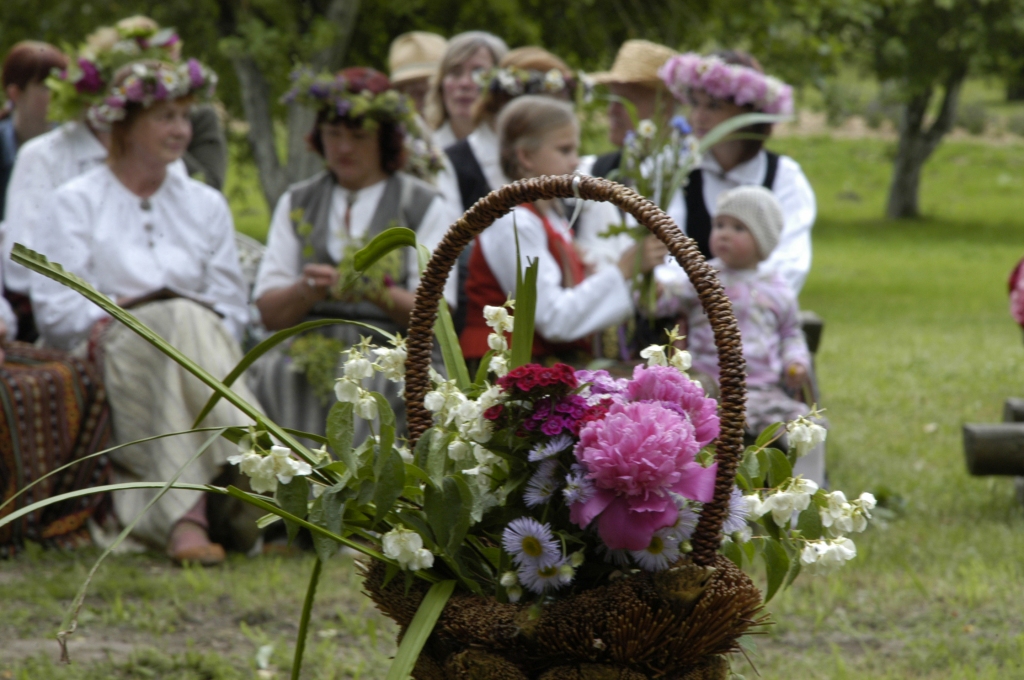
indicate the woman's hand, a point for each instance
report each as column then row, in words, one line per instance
column 643, row 257
column 319, row 279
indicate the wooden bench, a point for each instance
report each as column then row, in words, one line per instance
column 998, row 448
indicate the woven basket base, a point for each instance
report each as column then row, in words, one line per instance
column 674, row 624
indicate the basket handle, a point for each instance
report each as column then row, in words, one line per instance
column 729, row 449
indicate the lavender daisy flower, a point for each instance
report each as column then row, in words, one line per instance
column 685, row 524
column 551, row 448
column 660, row 554
column 620, row 558
column 578, row 489
column 531, row 543
column 541, row 578
column 543, row 485
column 736, row 520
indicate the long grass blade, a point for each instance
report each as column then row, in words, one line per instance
column 38, row 505
column 101, row 453
column 70, row 622
column 270, row 343
column 307, row 609
column 526, row 308
column 451, row 350
column 270, row 507
column 420, row 629
column 722, row 130
column 41, row 265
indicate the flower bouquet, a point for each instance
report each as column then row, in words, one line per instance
column 539, row 522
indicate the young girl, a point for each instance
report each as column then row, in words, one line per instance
column 539, row 136
column 745, row 230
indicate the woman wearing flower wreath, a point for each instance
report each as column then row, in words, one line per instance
column 163, row 245
column 539, row 136
column 454, row 90
column 318, row 226
column 79, row 144
column 719, row 87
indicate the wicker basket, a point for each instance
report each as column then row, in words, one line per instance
column 672, row 624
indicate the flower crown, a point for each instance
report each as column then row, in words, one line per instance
column 741, row 84
column 84, row 83
column 343, row 98
column 515, row 81
column 151, row 83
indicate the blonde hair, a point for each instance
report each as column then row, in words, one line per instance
column 529, row 58
column 460, row 48
column 523, row 125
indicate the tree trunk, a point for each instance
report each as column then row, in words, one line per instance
column 301, row 162
column 917, row 144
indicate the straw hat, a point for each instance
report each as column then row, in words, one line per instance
column 637, row 63
column 415, row 55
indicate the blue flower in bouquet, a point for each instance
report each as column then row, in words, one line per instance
column 543, row 485
column 550, row 448
column 736, row 520
column 660, row 554
column 681, row 125
column 531, row 543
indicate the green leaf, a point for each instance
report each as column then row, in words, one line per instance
column 386, row 416
column 779, row 467
column 437, row 460
column 340, row 425
column 270, row 343
column 809, row 521
column 750, row 470
column 769, row 433
column 451, row 350
column 39, row 264
column 776, row 560
column 307, row 610
column 389, row 485
column 324, row 547
column 447, row 510
column 726, row 128
column 413, row 518
column 731, row 550
column 293, row 497
column 485, row 366
column 465, row 505
column 526, row 308
column 419, row 630
column 266, row 505
column 382, row 244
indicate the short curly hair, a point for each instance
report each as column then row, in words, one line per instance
column 390, row 136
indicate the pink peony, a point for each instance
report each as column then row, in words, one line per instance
column 750, row 87
column 666, row 385
column 634, row 457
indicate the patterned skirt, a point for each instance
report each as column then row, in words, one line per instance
column 54, row 412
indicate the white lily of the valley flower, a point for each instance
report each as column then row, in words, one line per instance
column 406, row 547
column 347, row 391
column 366, row 407
column 827, row 555
column 805, row 435
column 287, row 467
column 682, row 360
column 499, row 365
column 499, row 319
column 391, row 361
column 756, row 508
column 792, row 497
column 837, row 514
column 358, row 367
column 655, row 355
column 509, row 579
column 497, row 342
column 458, row 450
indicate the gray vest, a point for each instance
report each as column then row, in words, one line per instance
column 404, row 203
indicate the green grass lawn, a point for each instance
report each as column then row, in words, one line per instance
column 917, row 341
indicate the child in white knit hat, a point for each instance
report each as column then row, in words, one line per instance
column 745, row 230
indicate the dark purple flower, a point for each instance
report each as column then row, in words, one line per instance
column 553, row 426
column 91, row 80
column 343, row 107
column 195, row 73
